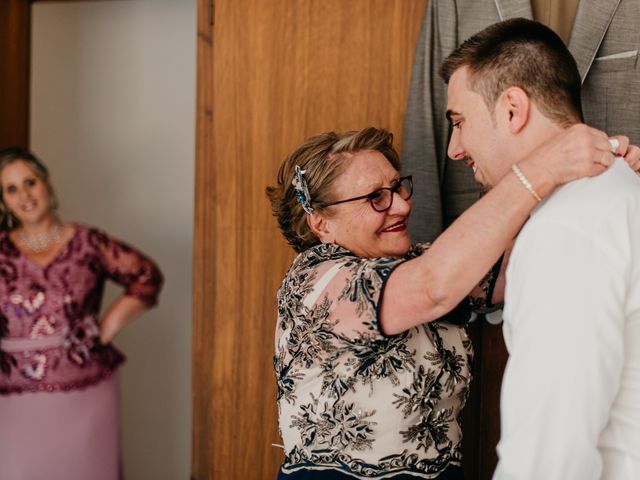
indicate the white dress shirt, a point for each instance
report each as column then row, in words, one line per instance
column 570, row 403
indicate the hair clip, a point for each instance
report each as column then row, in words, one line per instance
column 302, row 190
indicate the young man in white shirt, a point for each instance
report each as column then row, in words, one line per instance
column 570, row 405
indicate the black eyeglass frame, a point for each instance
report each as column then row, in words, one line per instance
column 369, row 197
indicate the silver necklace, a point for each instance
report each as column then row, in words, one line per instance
column 41, row 241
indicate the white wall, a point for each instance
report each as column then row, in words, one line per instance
column 113, row 115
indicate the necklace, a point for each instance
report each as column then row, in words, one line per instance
column 41, row 241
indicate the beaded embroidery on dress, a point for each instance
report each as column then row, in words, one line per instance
column 352, row 399
column 49, row 337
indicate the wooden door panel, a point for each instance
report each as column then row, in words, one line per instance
column 15, row 32
column 492, row 365
column 270, row 74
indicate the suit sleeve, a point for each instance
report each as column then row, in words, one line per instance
column 426, row 129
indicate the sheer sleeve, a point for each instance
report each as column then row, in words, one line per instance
column 332, row 296
column 137, row 273
column 354, row 295
column 481, row 297
column 338, row 295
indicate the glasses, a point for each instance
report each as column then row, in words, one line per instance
column 382, row 198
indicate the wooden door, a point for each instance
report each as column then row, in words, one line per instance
column 15, row 32
column 271, row 72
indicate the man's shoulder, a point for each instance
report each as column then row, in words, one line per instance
column 588, row 202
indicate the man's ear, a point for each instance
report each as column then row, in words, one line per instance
column 320, row 227
column 517, row 106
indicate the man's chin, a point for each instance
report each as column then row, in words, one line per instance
column 479, row 179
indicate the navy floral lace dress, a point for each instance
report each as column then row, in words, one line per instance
column 352, row 402
column 56, row 379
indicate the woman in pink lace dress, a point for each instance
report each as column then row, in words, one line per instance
column 59, row 397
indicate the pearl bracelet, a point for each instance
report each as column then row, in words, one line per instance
column 525, row 182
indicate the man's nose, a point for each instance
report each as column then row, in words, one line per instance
column 455, row 150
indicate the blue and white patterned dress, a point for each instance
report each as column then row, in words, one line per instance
column 352, row 401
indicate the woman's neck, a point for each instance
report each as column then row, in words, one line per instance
column 40, row 227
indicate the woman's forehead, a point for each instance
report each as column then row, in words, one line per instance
column 16, row 169
column 369, row 168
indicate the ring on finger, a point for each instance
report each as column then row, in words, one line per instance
column 614, row 144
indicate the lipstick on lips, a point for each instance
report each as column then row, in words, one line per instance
column 28, row 206
column 398, row 227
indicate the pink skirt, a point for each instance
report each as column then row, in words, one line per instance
column 62, row 435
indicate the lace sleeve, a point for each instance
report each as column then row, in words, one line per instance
column 137, row 273
column 481, row 297
column 351, row 299
column 356, row 293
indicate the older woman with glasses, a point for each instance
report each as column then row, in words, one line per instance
column 371, row 363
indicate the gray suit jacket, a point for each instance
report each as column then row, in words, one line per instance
column 605, row 42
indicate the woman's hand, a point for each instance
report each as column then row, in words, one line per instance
column 124, row 310
column 108, row 330
column 632, row 157
column 630, row 153
column 576, row 152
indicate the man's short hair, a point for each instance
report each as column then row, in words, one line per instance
column 525, row 54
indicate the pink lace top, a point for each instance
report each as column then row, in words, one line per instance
column 49, row 337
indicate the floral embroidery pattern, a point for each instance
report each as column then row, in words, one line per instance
column 383, row 359
column 7, row 361
column 338, row 426
column 420, row 394
column 51, row 311
column 432, row 430
column 342, row 384
column 34, row 368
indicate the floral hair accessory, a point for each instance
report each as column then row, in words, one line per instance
column 302, row 190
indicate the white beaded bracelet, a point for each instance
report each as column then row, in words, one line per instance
column 525, row 182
